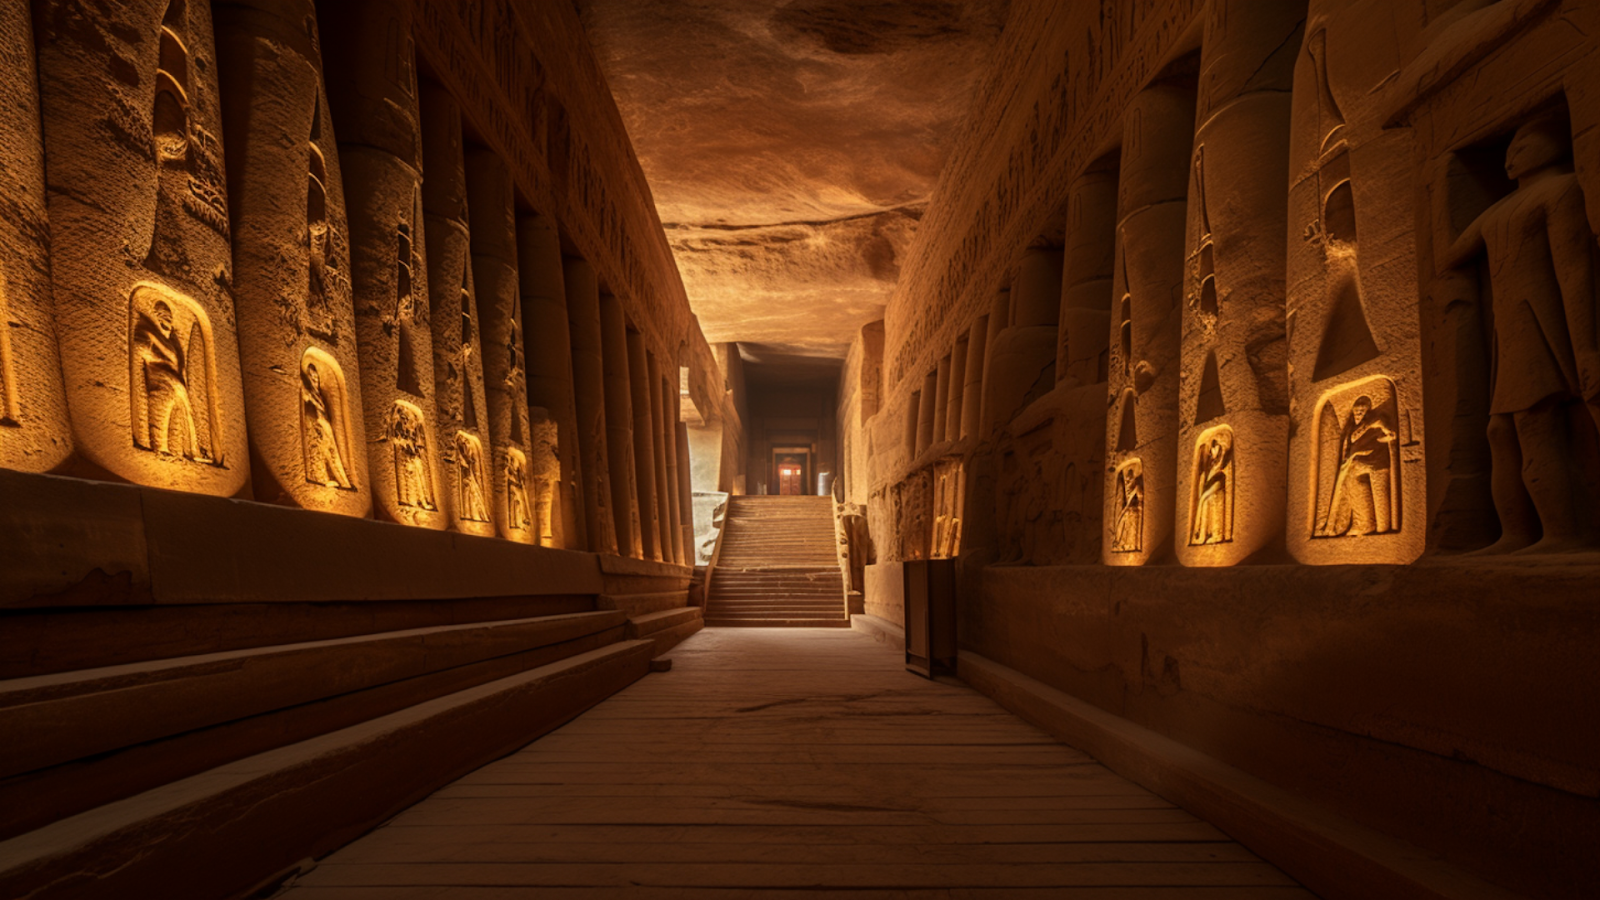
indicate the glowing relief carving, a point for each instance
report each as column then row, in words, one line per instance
column 1211, row 509
column 519, row 512
column 1127, row 535
column 171, row 377
column 469, row 478
column 1358, row 463
column 408, row 437
column 324, row 421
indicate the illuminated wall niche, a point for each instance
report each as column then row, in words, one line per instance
column 1352, row 309
column 519, row 507
column 141, row 256
column 413, row 461
column 1213, row 476
column 327, row 435
column 172, row 372
column 948, row 490
column 1356, row 473
column 472, row 503
column 297, row 336
column 1127, row 526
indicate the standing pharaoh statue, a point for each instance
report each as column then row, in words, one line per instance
column 1545, row 353
column 164, row 364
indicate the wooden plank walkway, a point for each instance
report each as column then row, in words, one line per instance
column 778, row 763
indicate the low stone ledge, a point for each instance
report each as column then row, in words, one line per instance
column 881, row 630
column 1332, row 856
column 72, row 542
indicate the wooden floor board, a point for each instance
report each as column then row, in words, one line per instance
column 783, row 763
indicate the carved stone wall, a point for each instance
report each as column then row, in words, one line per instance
column 1327, row 296
column 247, row 279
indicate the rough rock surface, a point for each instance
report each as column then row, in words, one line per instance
column 791, row 145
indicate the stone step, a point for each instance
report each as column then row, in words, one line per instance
column 636, row 605
column 226, row 831
column 797, row 622
column 85, row 739
column 667, row 627
column 51, row 719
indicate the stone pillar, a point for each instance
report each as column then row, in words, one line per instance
column 666, row 468
column 1142, row 428
column 941, row 399
column 644, row 447
column 913, row 427
column 297, row 339
column 491, row 203
column 1082, row 353
column 956, row 391
column 547, row 342
column 999, row 321
column 372, row 89
column 1356, row 343
column 925, row 417
column 1022, row 364
column 619, row 427
column 685, row 494
column 140, row 253
column 465, row 450
column 1233, row 399
column 589, row 398
column 35, row 431
column 544, row 482
column 972, row 387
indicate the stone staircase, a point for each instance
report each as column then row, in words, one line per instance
column 202, row 720
column 778, row 565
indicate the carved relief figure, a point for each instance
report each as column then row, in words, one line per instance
column 519, row 513
column 469, row 468
column 1545, row 352
column 169, row 374
column 1211, row 517
column 324, row 421
column 1128, row 534
column 1359, row 454
column 408, row 436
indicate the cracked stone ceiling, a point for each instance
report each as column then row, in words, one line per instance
column 791, row 146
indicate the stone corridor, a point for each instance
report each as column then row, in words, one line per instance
column 786, row 762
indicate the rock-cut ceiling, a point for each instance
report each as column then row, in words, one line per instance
column 791, row 146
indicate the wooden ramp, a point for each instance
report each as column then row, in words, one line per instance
column 777, row 763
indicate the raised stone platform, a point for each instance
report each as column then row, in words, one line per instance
column 1448, row 703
